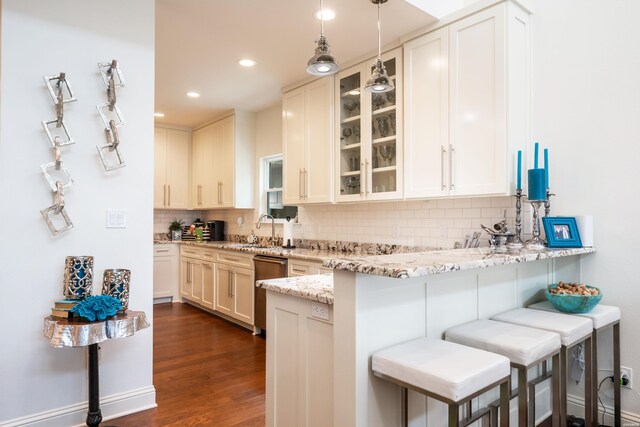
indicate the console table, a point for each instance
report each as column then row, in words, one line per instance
column 76, row 332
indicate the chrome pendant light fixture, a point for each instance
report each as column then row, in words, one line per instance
column 379, row 80
column 322, row 63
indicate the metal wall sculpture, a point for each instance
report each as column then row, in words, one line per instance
column 110, row 152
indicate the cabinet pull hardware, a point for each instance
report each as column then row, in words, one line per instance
column 297, row 270
column 165, row 250
column 199, row 194
column 233, row 285
column 366, row 176
column 306, row 183
column 452, row 149
column 443, row 152
column 363, row 176
column 229, row 284
column 220, row 192
column 188, row 270
column 300, row 184
column 169, row 187
column 164, row 195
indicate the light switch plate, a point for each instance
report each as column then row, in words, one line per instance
column 116, row 218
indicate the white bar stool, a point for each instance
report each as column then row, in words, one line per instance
column 525, row 348
column 446, row 371
column 602, row 316
column 572, row 330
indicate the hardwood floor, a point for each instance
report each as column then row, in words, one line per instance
column 206, row 371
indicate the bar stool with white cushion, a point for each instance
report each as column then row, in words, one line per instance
column 602, row 316
column 525, row 348
column 572, row 330
column 446, row 371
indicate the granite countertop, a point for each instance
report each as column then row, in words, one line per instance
column 405, row 265
column 318, row 287
column 299, row 253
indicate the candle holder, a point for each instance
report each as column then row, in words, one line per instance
column 536, row 242
column 547, row 203
column 115, row 283
column 516, row 242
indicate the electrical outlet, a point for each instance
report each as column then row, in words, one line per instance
column 628, row 373
column 320, row 310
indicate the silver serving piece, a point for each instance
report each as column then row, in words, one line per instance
column 78, row 277
column 499, row 235
column 115, row 283
column 57, row 209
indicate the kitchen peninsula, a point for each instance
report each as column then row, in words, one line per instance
column 318, row 371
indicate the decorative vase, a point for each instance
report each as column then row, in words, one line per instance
column 115, row 283
column 78, row 277
column 176, row 235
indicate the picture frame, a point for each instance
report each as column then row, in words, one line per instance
column 562, row 232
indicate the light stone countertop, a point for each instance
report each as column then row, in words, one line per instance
column 405, row 265
column 318, row 287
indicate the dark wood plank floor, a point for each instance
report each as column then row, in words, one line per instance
column 206, row 371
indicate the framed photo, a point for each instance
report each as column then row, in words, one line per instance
column 562, row 232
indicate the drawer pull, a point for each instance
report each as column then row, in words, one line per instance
column 163, row 250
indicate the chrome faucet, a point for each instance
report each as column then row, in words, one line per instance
column 273, row 227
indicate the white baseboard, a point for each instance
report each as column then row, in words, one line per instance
column 575, row 405
column 114, row 406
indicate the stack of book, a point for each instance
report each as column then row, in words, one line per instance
column 62, row 308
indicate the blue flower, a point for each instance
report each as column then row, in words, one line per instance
column 97, row 307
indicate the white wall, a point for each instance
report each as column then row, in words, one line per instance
column 41, row 37
column 587, row 111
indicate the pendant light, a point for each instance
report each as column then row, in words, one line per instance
column 322, row 63
column 379, row 80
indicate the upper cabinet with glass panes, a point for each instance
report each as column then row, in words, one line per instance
column 369, row 131
column 271, row 199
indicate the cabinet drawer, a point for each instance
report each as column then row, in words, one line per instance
column 165, row 250
column 190, row 252
column 235, row 258
column 302, row 268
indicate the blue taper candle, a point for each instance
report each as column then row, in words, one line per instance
column 546, row 167
column 519, row 185
column 535, row 156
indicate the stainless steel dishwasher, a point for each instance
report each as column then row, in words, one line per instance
column 266, row 267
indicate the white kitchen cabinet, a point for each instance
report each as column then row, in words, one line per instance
column 223, row 163
column 171, row 169
column 299, row 375
column 368, row 127
column 459, row 80
column 307, row 126
column 235, row 292
column 165, row 271
column 197, row 275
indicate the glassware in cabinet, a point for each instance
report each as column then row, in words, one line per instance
column 350, row 135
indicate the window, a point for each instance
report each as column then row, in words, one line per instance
column 272, row 196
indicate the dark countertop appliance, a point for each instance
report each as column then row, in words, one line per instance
column 266, row 267
column 216, row 230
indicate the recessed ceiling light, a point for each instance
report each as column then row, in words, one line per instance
column 327, row 14
column 193, row 94
column 158, row 114
column 247, row 62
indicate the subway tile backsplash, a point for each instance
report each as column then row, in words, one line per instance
column 432, row 223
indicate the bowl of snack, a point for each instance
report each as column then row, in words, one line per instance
column 573, row 297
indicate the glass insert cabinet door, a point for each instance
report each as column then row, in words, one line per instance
column 369, row 131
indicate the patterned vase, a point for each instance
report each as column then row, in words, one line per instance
column 78, row 277
column 115, row 283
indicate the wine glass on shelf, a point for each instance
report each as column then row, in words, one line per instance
column 352, row 182
column 387, row 152
column 346, row 133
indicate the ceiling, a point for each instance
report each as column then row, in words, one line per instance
column 199, row 44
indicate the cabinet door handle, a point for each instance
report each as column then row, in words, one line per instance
column 169, row 187
column 199, row 194
column 229, row 284
column 306, row 182
column 363, row 175
column 300, row 184
column 233, row 286
column 188, row 268
column 452, row 150
column 164, row 195
column 163, row 250
column 443, row 152
column 220, row 192
column 366, row 176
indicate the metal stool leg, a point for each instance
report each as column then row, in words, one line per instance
column 594, row 377
column 588, row 379
column 522, row 397
column 556, row 394
column 454, row 415
column 404, row 407
column 616, row 374
column 563, row 386
column 505, row 393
